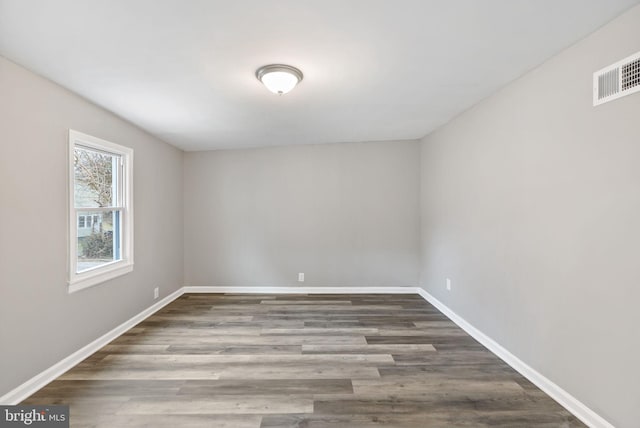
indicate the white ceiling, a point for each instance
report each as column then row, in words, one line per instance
column 374, row 69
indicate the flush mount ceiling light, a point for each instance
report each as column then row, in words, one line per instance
column 279, row 78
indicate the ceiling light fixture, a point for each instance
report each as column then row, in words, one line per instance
column 279, row 78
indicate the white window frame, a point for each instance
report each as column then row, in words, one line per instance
column 78, row 281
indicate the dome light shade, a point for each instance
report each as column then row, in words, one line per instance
column 279, row 78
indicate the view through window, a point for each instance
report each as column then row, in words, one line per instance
column 101, row 222
column 98, row 209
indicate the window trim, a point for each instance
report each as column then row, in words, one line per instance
column 78, row 281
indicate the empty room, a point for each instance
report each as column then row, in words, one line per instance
column 313, row 214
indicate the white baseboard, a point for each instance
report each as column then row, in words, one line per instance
column 566, row 400
column 302, row 290
column 37, row 382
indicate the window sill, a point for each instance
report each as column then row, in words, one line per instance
column 89, row 279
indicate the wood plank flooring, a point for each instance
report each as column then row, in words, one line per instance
column 225, row 360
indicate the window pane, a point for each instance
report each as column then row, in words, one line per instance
column 95, row 181
column 98, row 242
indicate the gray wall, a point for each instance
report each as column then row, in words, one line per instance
column 531, row 205
column 40, row 323
column 344, row 214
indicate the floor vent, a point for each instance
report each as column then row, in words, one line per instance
column 617, row 80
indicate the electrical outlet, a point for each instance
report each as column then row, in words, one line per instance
column 448, row 284
column 301, row 277
column 156, row 293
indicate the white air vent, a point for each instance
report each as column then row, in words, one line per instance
column 617, row 80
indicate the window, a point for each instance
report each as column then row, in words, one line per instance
column 88, row 221
column 100, row 210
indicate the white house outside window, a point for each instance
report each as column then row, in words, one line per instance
column 101, row 211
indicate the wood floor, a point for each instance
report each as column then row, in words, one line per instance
column 224, row 360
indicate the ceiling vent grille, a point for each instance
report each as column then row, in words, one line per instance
column 617, row 80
